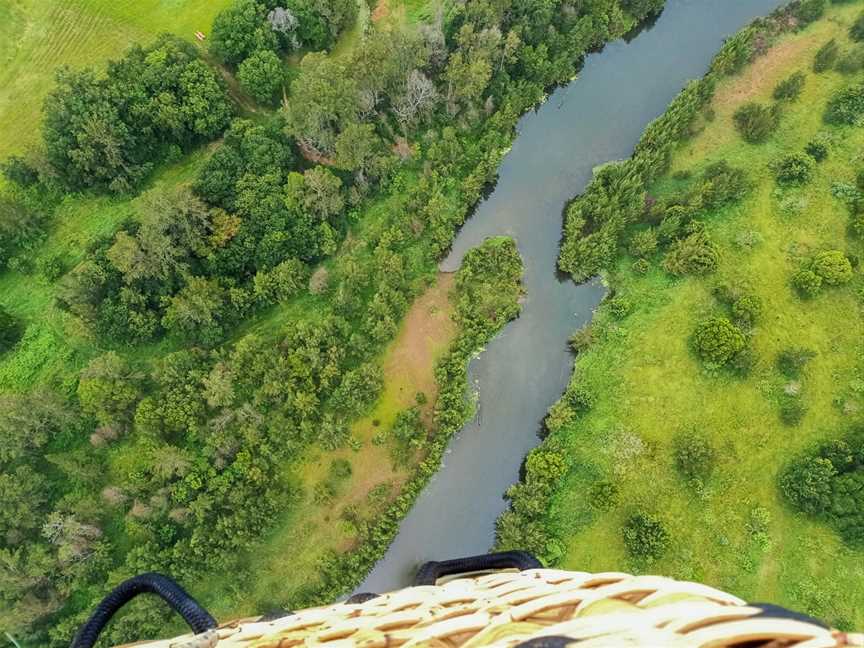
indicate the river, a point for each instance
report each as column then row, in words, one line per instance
column 596, row 118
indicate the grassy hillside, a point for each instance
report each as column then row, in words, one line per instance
column 649, row 390
column 37, row 36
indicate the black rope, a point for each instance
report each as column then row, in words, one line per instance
column 169, row 591
column 432, row 571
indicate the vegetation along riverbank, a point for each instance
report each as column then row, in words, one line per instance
column 208, row 252
column 712, row 427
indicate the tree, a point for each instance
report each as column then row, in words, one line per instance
column 417, row 99
column 197, row 311
column 108, row 389
column 358, row 148
column 322, row 193
column 29, row 421
column 807, row 484
column 324, row 100
column 718, row 340
column 10, row 331
column 240, row 30
column 262, row 76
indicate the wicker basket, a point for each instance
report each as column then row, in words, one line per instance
column 505, row 609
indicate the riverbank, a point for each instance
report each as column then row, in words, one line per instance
column 692, row 452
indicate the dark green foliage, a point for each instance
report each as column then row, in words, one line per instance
column 10, row 330
column 643, row 242
column 645, row 537
column 16, row 169
column 851, row 61
column 793, row 169
column 826, row 57
column 717, row 340
column 262, row 77
column 790, row 88
column 817, row 150
column 791, row 362
column 856, row 31
column 695, row 457
column 407, row 435
column 792, row 409
column 756, row 122
column 240, row 30
column 51, row 267
column 808, row 11
column 845, row 106
column 720, row 185
column 695, row 254
column 108, row 130
column 827, row 482
column 833, row 267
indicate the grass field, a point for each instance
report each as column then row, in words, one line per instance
column 651, row 387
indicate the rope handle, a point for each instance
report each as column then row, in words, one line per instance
column 165, row 588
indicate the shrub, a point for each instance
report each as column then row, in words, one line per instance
column 746, row 309
column 817, row 150
column 789, row 89
column 643, row 242
column 756, row 122
column 845, row 106
column 832, row 267
column 10, row 331
column 717, row 340
column 721, row 184
column 851, row 62
column 16, row 169
column 807, row 283
column 856, row 31
column 808, row 11
column 695, row 254
column 695, row 458
column 806, row 484
column 641, row 266
column 645, row 537
column 604, row 495
column 619, row 306
column 793, row 169
column 826, row 57
column 791, row 362
column 50, row 267
column 792, row 410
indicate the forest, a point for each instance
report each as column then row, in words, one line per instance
column 712, row 426
column 207, row 252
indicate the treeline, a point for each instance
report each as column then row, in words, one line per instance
column 486, row 296
column 404, row 132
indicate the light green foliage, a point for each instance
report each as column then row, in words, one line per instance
column 833, row 267
column 108, row 389
column 717, row 340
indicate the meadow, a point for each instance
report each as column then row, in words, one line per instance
column 732, row 529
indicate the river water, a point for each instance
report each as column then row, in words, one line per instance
column 596, row 118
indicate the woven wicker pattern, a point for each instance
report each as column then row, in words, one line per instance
column 504, row 609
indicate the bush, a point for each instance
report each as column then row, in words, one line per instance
column 717, row 340
column 645, row 537
column 845, row 106
column 756, row 122
column 808, row 11
column 832, row 267
column 10, row 331
column 747, row 309
column 856, row 31
column 695, row 458
column 642, row 266
column 643, row 242
column 793, row 169
column 604, row 495
column 790, row 88
column 721, row 185
column 826, row 57
column 807, row 283
column 851, row 62
column 806, row 484
column 50, row 267
column 695, row 254
column 817, row 150
column 16, row 169
column 791, row 362
column 792, row 410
